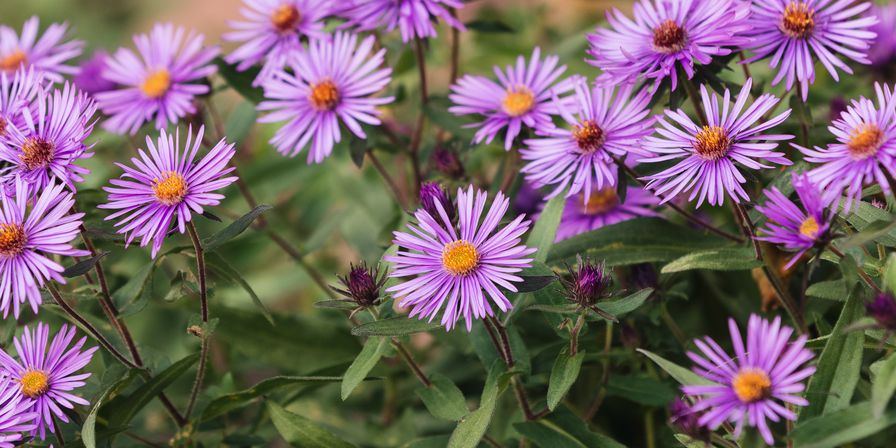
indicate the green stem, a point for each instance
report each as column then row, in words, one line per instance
column 203, row 311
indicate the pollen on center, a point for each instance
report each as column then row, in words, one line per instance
column 324, row 95
column 12, row 61
column 864, row 141
column 170, row 190
column 798, row 21
column 751, row 385
column 712, row 143
column 809, row 227
column 37, row 153
column 518, row 101
column 460, row 257
column 12, row 239
column 589, row 136
column 35, row 383
column 285, row 18
column 599, row 202
column 156, row 84
column 669, row 37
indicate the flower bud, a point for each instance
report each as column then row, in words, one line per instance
column 362, row 284
column 447, row 162
column 431, row 193
column 686, row 421
column 587, row 284
column 883, row 310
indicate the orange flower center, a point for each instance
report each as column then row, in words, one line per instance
column 712, row 143
column 518, row 101
column 285, row 18
column 798, row 21
column 589, row 136
column 37, row 153
column 35, row 383
column 324, row 95
column 809, row 228
column 751, row 385
column 171, row 190
column 156, row 84
column 12, row 61
column 12, row 240
column 864, row 141
column 459, row 257
column 669, row 38
column 599, row 202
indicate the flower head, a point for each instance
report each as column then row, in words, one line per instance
column 458, row 268
column 523, row 95
column 167, row 185
column 272, row 30
column 751, row 387
column 601, row 123
column 602, row 208
column 332, row 82
column 414, row 18
column 47, row 54
column 158, row 83
column 796, row 228
column 16, row 413
column 666, row 34
column 711, row 154
column 28, row 239
column 47, row 376
column 792, row 32
column 50, row 141
column 362, row 284
column 883, row 310
column 17, row 94
column 90, row 75
column 431, row 193
column 587, row 284
column 865, row 151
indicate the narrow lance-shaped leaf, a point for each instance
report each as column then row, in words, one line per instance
column 443, row 399
column 370, row 355
column 545, row 230
column 234, row 229
column 395, row 326
column 563, row 376
column 84, row 266
column 301, row 432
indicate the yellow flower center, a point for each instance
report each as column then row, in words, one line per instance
column 751, row 385
column 37, row 153
column 599, row 202
column 460, row 257
column 712, row 143
column 589, row 136
column 809, row 228
column 798, row 21
column 518, row 101
column 156, row 84
column 12, row 240
column 35, row 383
column 12, row 61
column 285, row 18
column 669, row 38
column 864, row 141
column 170, row 190
column 324, row 95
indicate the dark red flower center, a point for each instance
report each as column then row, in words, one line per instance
column 12, row 239
column 285, row 18
column 712, row 143
column 37, row 153
column 669, row 37
column 589, row 136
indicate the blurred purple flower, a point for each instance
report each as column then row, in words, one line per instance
column 603, row 208
column 528, row 200
column 524, row 95
column 711, row 154
column 158, row 83
column 447, row 162
column 883, row 49
column 90, row 75
column 47, row 54
column 332, row 82
column 16, row 414
column 167, row 185
column 883, row 310
column 414, row 18
column 458, row 269
column 666, row 34
column 792, row 32
column 687, row 422
column 750, row 388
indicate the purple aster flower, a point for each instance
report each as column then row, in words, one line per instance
column 459, row 268
column 711, row 154
column 883, row 49
column 432, row 193
column 865, row 148
column 666, row 32
column 51, row 140
column 17, row 93
column 603, row 208
column 272, row 31
column 797, row 229
column 16, row 414
column 524, row 95
column 90, row 75
column 528, row 200
column 48, row 376
column 28, row 237
column 792, row 32
column 414, row 18
column 167, row 185
column 601, row 122
column 47, row 54
column 883, row 310
column 755, row 384
column 160, row 82
column 332, row 82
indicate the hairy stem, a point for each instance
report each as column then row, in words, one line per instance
column 412, row 364
column 574, row 335
column 498, row 335
column 864, row 275
column 203, row 312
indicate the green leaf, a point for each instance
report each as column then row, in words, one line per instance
column 443, row 399
column 368, row 358
column 837, row 371
column 545, row 230
column 488, row 26
column 889, row 277
column 564, row 429
column 884, row 384
column 640, row 389
column 127, row 298
column 301, row 432
column 336, row 304
column 394, row 326
column 234, row 229
column 121, row 410
column 635, row 241
column 240, row 121
column 471, row 428
column 830, row 290
column 241, row 81
column 872, row 232
column 229, row 402
column 677, row 372
column 224, row 269
column 563, row 376
column 626, row 304
column 866, row 216
column 533, row 283
column 358, row 149
column 841, row 427
column 82, row 267
column 724, row 259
